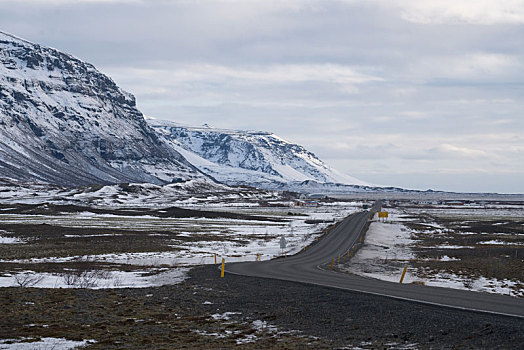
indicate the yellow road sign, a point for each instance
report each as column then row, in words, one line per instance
column 382, row 214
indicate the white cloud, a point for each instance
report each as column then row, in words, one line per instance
column 280, row 73
column 487, row 12
column 363, row 82
column 475, row 66
column 266, row 86
column 453, row 151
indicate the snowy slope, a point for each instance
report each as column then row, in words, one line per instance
column 195, row 192
column 248, row 158
column 64, row 122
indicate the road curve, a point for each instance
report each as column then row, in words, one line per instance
column 312, row 266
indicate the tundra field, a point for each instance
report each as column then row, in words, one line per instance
column 108, row 277
column 475, row 246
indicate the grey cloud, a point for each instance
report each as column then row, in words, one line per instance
column 369, row 86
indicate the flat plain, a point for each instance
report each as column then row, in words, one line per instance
column 143, row 277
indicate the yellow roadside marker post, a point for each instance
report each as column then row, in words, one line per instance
column 403, row 274
column 331, row 266
column 258, row 256
column 338, row 259
column 215, row 258
column 348, row 253
column 223, row 266
column 304, row 248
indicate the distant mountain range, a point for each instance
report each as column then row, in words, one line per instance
column 253, row 158
column 63, row 122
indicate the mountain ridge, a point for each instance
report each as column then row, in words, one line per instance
column 64, row 122
column 254, row 158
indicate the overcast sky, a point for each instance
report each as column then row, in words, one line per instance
column 411, row 93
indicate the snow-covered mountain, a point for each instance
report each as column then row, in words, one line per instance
column 250, row 158
column 64, row 122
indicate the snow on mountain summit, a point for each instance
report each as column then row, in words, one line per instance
column 254, row 158
column 64, row 122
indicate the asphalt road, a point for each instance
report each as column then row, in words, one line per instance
column 313, row 266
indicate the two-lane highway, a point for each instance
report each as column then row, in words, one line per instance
column 312, row 266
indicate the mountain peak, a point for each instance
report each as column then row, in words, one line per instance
column 254, row 158
column 64, row 122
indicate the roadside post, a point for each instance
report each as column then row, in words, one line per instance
column 223, row 266
column 215, row 258
column 331, row 266
column 282, row 244
column 403, row 274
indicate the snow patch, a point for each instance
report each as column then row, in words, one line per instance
column 43, row 343
column 97, row 279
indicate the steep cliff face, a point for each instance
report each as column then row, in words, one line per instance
column 64, row 122
column 248, row 158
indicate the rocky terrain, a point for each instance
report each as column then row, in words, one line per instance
column 206, row 311
column 64, row 122
column 254, row 158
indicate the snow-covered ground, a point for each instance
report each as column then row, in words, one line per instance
column 390, row 246
column 197, row 241
column 96, row 279
column 386, row 250
column 259, row 329
column 194, row 193
column 9, row 240
column 43, row 344
column 474, row 211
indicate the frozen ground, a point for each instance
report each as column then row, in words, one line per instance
column 190, row 193
column 259, row 328
column 185, row 242
column 385, row 252
column 42, row 344
column 96, row 279
column 447, row 247
column 9, row 240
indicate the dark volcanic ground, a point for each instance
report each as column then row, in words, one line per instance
column 179, row 316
